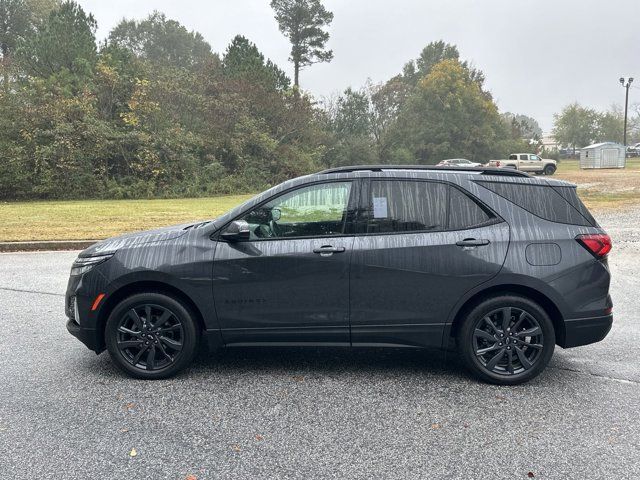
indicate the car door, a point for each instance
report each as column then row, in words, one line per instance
column 530, row 163
column 421, row 246
column 289, row 283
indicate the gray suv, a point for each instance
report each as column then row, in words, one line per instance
column 493, row 262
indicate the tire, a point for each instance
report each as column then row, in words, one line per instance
column 549, row 170
column 529, row 354
column 155, row 351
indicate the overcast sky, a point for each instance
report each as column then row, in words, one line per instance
column 537, row 55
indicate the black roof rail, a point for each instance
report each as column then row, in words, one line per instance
column 506, row 172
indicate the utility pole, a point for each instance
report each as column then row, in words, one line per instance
column 626, row 83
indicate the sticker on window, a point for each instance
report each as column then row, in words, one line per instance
column 380, row 207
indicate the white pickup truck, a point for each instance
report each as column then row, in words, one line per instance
column 527, row 162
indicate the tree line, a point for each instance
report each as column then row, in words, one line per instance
column 154, row 111
column 577, row 126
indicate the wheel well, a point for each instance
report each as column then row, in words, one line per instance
column 541, row 299
column 145, row 287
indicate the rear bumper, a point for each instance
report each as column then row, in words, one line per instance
column 583, row 331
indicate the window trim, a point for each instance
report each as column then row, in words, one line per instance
column 352, row 204
column 364, row 208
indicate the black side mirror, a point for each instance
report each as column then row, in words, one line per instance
column 236, row 231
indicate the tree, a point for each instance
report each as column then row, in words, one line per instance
column 64, row 41
column 575, row 126
column 303, row 22
column 522, row 126
column 431, row 55
column 18, row 20
column 163, row 41
column 610, row 126
column 243, row 60
column 447, row 115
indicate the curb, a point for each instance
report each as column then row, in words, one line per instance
column 35, row 246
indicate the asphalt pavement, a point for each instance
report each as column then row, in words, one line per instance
column 310, row 413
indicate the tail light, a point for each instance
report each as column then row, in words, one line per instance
column 598, row 244
column 498, row 163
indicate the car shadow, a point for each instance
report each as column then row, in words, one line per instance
column 328, row 360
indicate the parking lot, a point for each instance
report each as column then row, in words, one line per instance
column 292, row 413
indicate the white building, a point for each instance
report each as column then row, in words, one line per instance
column 603, row 155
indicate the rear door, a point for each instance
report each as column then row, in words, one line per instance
column 421, row 246
column 289, row 283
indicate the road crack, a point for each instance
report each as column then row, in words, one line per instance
column 38, row 292
column 597, row 375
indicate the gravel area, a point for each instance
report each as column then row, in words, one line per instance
column 321, row 413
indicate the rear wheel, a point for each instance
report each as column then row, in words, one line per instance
column 506, row 340
column 549, row 170
column 151, row 336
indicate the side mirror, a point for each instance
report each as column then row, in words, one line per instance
column 236, row 231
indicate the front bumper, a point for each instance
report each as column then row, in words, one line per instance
column 88, row 336
column 583, row 331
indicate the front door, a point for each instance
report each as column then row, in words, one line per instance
column 423, row 245
column 289, row 283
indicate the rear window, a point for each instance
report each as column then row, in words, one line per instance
column 411, row 206
column 545, row 202
column 405, row 206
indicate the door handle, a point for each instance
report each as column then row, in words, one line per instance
column 328, row 250
column 472, row 242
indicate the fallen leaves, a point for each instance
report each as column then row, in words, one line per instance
column 190, row 477
column 259, row 437
column 435, row 426
column 133, row 452
column 530, row 475
column 235, row 447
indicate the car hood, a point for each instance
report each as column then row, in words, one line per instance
column 113, row 244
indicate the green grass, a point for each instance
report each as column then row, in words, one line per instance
column 605, row 189
column 96, row 219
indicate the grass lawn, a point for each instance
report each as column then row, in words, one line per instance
column 604, row 188
column 96, row 219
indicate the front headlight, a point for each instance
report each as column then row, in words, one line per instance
column 84, row 264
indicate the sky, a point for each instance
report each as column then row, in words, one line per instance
column 537, row 55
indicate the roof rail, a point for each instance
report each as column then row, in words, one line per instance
column 506, row 172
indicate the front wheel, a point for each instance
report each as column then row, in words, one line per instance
column 549, row 170
column 506, row 340
column 151, row 336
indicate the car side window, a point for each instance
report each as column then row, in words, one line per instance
column 513, row 157
column 465, row 212
column 313, row 211
column 406, row 206
column 535, row 158
column 524, row 157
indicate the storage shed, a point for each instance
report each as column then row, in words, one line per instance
column 603, row 155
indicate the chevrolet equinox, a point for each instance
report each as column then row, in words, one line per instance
column 493, row 262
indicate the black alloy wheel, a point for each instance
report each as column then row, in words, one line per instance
column 151, row 335
column 507, row 339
